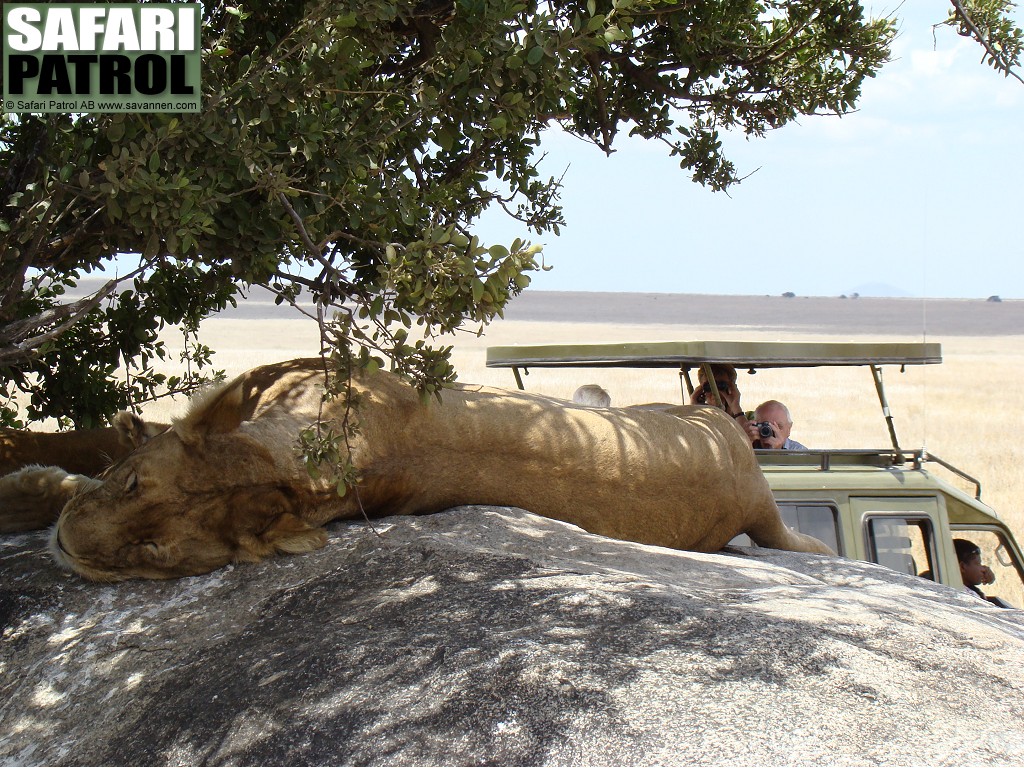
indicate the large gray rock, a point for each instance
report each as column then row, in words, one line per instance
column 487, row 635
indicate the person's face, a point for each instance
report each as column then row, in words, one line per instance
column 723, row 382
column 724, row 388
column 777, row 418
column 972, row 571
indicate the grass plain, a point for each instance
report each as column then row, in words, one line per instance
column 964, row 411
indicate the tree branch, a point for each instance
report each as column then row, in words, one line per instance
column 20, row 346
column 997, row 56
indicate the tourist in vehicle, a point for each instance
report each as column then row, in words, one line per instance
column 592, row 395
column 972, row 571
column 725, row 380
column 771, row 427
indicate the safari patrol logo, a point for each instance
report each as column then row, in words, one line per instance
column 118, row 57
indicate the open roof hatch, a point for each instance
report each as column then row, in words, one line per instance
column 685, row 355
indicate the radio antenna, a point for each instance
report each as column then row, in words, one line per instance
column 924, row 326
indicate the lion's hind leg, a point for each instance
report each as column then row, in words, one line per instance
column 782, row 537
column 33, row 497
column 771, row 532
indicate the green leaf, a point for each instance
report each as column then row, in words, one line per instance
column 613, row 34
column 152, row 246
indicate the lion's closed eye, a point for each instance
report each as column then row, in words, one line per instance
column 144, row 550
column 151, row 546
column 132, row 483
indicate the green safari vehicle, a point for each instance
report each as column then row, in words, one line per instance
column 895, row 507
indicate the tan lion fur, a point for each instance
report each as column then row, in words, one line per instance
column 226, row 483
column 81, row 451
column 34, row 496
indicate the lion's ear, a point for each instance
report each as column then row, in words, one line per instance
column 265, row 521
column 216, row 413
column 133, row 431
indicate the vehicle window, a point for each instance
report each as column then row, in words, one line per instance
column 997, row 555
column 905, row 544
column 817, row 520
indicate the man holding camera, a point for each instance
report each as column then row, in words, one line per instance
column 771, row 426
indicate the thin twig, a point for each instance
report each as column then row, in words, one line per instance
column 980, row 37
column 300, row 225
column 325, row 348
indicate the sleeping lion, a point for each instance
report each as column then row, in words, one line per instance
column 226, row 483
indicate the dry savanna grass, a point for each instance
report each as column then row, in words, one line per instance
column 962, row 411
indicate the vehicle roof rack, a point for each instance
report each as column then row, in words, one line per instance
column 826, row 459
column 742, row 354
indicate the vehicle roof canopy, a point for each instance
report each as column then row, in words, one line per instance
column 745, row 354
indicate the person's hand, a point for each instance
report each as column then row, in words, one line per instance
column 730, row 397
column 774, row 442
column 987, row 576
column 731, row 400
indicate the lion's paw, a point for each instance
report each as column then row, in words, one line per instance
column 33, row 497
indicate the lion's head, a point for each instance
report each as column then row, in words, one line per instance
column 198, row 496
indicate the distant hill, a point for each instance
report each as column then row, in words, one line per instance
column 879, row 290
column 911, row 316
column 946, row 317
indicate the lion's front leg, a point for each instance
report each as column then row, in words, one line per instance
column 32, row 497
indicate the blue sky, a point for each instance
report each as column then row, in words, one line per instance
column 918, row 193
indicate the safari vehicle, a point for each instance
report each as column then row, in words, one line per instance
column 895, row 507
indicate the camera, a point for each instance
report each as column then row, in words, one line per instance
column 765, row 429
column 704, row 396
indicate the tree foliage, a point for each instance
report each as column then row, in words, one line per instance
column 989, row 22
column 343, row 154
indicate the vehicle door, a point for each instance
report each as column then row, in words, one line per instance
column 902, row 533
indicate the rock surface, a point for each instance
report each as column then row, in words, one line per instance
column 486, row 635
